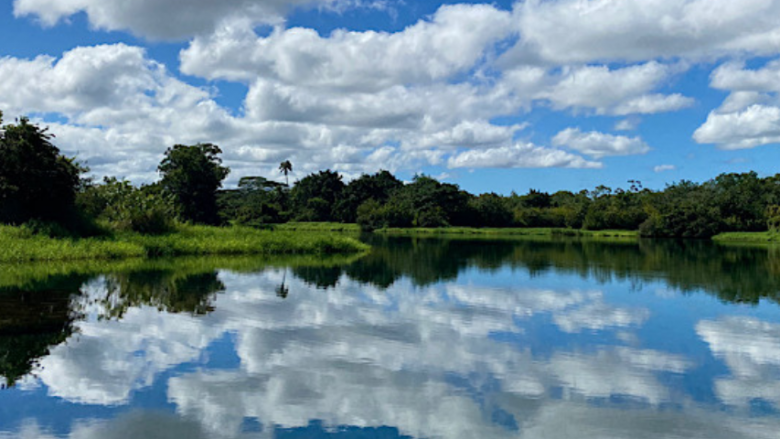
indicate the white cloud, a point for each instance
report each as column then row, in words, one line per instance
column 577, row 31
column 751, row 349
column 733, row 76
column 453, row 40
column 664, row 168
column 599, row 145
column 165, row 19
column 621, row 91
column 629, row 124
column 747, row 128
column 598, row 316
column 520, row 155
column 750, row 115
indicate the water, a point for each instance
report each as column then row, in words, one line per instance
column 423, row 338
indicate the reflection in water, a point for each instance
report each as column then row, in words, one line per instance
column 422, row 338
column 31, row 321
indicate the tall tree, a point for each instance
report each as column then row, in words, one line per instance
column 36, row 180
column 285, row 168
column 378, row 187
column 315, row 196
column 193, row 174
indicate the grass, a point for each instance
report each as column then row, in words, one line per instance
column 318, row 227
column 748, row 237
column 510, row 232
column 20, row 245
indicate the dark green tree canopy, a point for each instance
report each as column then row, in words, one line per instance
column 378, row 187
column 36, row 180
column 315, row 196
column 193, row 174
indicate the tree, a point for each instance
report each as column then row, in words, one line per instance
column 36, row 180
column 193, row 174
column 315, row 196
column 378, row 187
column 285, row 168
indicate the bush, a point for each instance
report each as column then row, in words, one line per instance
column 126, row 208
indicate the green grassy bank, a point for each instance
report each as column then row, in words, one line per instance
column 518, row 232
column 21, row 245
column 748, row 237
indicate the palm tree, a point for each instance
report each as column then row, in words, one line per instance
column 285, row 168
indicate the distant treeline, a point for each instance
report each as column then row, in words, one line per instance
column 728, row 203
column 44, row 190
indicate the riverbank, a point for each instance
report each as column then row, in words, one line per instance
column 748, row 237
column 530, row 232
column 20, row 245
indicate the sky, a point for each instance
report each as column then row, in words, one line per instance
column 495, row 97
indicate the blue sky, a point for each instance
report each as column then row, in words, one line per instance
column 501, row 96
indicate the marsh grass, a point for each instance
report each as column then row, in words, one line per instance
column 21, row 245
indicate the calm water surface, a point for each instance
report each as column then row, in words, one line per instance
column 423, row 338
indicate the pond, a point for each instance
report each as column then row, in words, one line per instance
column 421, row 338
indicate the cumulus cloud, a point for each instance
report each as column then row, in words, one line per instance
column 622, row 91
column 576, row 31
column 599, row 145
column 425, row 95
column 165, row 19
column 454, row 39
column 520, row 155
column 750, row 115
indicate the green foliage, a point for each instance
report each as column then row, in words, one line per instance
column 432, row 203
column 491, row 210
column 773, row 217
column 126, row 208
column 36, row 180
column 622, row 210
column 257, row 203
column 378, row 187
column 315, row 196
column 684, row 210
column 193, row 174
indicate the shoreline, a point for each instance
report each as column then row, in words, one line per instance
column 18, row 245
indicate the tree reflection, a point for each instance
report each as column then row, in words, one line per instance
column 166, row 290
column 32, row 321
column 737, row 274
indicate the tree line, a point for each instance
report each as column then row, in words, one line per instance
column 45, row 190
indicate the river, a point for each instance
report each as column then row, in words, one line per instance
column 421, row 338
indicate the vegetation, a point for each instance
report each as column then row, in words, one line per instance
column 193, row 174
column 20, row 244
column 43, row 190
column 37, row 183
